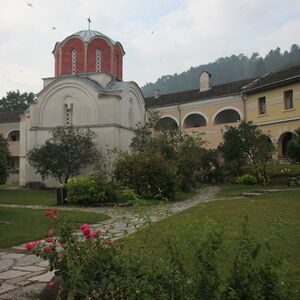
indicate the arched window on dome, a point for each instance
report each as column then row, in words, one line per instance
column 98, row 60
column 73, row 61
column 68, row 114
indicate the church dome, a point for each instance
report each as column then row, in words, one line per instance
column 87, row 35
column 88, row 51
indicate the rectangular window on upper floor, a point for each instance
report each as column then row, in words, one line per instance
column 262, row 109
column 288, row 99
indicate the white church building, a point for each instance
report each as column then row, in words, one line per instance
column 86, row 92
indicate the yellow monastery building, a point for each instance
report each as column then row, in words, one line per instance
column 272, row 102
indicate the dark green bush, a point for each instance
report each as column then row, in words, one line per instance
column 148, row 174
column 85, row 190
column 246, row 179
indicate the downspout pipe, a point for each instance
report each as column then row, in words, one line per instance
column 179, row 112
column 244, row 98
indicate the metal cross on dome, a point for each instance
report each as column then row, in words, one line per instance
column 89, row 20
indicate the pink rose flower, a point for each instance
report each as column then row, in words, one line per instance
column 51, row 240
column 51, row 284
column 83, row 226
column 86, row 231
column 31, row 245
column 54, row 217
column 48, row 212
column 93, row 234
column 54, row 211
column 50, row 233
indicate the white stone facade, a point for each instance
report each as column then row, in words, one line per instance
column 98, row 101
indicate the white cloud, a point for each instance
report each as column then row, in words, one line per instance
column 159, row 37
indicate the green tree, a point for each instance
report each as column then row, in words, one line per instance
column 4, row 159
column 247, row 143
column 16, row 101
column 184, row 152
column 293, row 147
column 64, row 154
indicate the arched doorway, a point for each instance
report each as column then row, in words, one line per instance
column 283, row 142
column 194, row 120
column 166, row 123
column 227, row 116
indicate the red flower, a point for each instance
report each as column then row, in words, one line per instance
column 47, row 250
column 50, row 226
column 31, row 245
column 93, row 234
column 54, row 211
column 48, row 212
column 109, row 242
column 83, row 226
column 54, row 217
column 51, row 240
column 51, row 284
column 86, row 231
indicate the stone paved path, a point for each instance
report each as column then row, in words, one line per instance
column 23, row 275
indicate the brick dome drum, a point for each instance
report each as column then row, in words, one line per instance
column 88, row 51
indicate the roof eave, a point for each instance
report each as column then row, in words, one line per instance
column 272, row 84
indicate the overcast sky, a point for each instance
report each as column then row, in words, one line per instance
column 159, row 36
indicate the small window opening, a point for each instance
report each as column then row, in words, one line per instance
column 98, row 60
column 262, row 106
column 74, row 54
column 288, row 99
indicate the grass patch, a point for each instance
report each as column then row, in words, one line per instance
column 31, row 224
column 5, row 186
column 28, row 197
column 262, row 212
column 232, row 190
column 275, row 170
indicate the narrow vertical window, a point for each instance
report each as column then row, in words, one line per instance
column 98, row 60
column 262, row 109
column 68, row 111
column 73, row 61
column 288, row 99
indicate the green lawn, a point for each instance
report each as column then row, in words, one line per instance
column 262, row 212
column 5, row 186
column 28, row 197
column 30, row 225
column 47, row 197
column 232, row 190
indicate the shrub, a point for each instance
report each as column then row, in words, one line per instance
column 246, row 179
column 293, row 146
column 127, row 195
column 85, row 190
column 148, row 174
column 4, row 159
column 92, row 267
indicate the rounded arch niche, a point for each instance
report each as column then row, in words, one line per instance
column 166, row 123
column 283, row 142
column 226, row 116
column 194, row 120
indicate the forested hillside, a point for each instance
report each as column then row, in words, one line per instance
column 226, row 69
